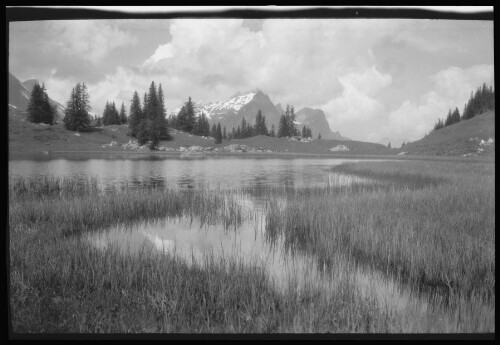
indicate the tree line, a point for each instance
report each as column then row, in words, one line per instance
column 147, row 121
column 480, row 101
column 111, row 116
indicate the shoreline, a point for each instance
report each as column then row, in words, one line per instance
column 22, row 155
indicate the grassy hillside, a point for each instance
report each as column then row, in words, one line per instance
column 458, row 139
column 28, row 138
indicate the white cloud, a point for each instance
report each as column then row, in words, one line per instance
column 324, row 63
column 452, row 88
column 87, row 39
column 295, row 61
column 358, row 102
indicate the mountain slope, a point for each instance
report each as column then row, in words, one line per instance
column 231, row 111
column 461, row 138
column 19, row 95
column 316, row 120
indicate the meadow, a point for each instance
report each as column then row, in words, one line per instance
column 424, row 233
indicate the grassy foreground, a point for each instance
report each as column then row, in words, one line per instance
column 428, row 226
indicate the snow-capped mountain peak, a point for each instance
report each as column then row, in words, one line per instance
column 234, row 103
column 231, row 104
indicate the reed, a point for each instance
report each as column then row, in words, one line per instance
column 429, row 226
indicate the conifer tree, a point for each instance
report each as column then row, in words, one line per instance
column 224, row 134
column 448, row 120
column 158, row 116
column 115, row 116
column 260, row 127
column 243, row 128
column 186, row 118
column 136, row 114
column 282, row 128
column 319, row 136
column 123, row 114
column 455, row 116
column 272, row 133
column 39, row 108
column 218, row 134
column 77, row 116
column 213, row 131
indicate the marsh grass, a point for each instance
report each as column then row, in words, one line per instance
column 433, row 234
column 429, row 226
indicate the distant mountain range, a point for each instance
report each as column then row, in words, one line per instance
column 231, row 111
column 19, row 96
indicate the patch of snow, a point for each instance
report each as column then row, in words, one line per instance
column 235, row 103
column 402, row 153
column 77, row 134
column 13, row 106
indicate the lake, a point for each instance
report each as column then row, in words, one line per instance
column 223, row 172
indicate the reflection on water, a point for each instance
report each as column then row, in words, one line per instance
column 176, row 173
column 193, row 242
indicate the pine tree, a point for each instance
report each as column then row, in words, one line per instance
column 292, row 130
column 218, row 134
column 123, row 114
column 159, row 116
column 272, row 133
column 448, row 120
column 389, row 145
column 224, row 134
column 260, row 127
column 439, row 124
column 186, row 117
column 39, row 108
column 243, row 128
column 115, row 116
column 282, row 128
column 319, row 136
column 136, row 114
column 106, row 114
column 213, row 132
column 77, row 116
column 455, row 116
column 47, row 110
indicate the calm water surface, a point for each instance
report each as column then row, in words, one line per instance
column 194, row 242
column 181, row 173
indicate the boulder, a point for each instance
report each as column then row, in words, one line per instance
column 339, row 148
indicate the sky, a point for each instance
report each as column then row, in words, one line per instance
column 377, row 80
